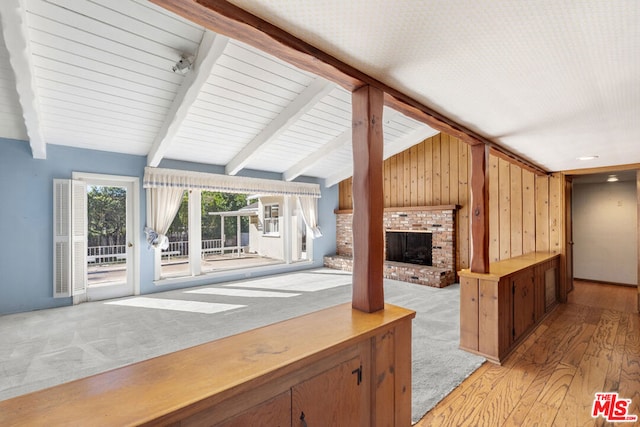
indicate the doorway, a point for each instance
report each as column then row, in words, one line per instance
column 621, row 204
column 112, row 236
column 605, row 226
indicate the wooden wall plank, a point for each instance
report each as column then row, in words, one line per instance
column 445, row 170
column 421, row 197
column 462, row 239
column 556, row 184
column 438, row 171
column 428, row 172
column 494, row 210
column 542, row 213
column 454, row 167
column 504, row 202
column 528, row 212
column 387, row 184
column 393, row 161
column 516, row 211
column 400, row 174
column 406, row 182
column 413, row 156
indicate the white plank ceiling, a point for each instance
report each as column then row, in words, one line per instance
column 549, row 80
column 102, row 79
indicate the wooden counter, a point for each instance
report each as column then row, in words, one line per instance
column 498, row 309
column 321, row 364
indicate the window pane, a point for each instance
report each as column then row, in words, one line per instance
column 175, row 259
column 271, row 219
column 106, row 235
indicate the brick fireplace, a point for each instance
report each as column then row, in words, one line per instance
column 439, row 221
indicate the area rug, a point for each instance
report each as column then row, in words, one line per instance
column 438, row 364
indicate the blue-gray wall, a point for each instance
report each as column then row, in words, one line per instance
column 26, row 224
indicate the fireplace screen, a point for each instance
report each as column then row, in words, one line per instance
column 409, row 247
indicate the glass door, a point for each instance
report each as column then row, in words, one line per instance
column 110, row 238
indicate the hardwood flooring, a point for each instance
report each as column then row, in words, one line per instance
column 591, row 344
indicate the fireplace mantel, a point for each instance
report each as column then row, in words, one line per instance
column 393, row 230
column 407, row 209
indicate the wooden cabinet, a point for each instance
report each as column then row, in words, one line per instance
column 498, row 309
column 275, row 412
column 523, row 302
column 338, row 366
column 336, row 397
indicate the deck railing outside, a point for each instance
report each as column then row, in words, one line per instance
column 118, row 253
column 106, row 254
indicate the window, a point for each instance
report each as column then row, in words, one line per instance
column 225, row 230
column 214, row 232
column 271, row 220
column 235, row 229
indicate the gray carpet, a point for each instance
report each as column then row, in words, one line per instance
column 43, row 348
column 438, row 365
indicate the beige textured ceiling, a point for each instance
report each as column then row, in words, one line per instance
column 552, row 80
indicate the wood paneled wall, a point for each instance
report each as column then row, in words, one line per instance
column 525, row 210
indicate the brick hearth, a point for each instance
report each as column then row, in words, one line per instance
column 438, row 220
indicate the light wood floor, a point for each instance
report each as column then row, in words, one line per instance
column 591, row 344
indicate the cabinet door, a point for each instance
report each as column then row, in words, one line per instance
column 333, row 398
column 523, row 302
column 275, row 412
column 550, row 287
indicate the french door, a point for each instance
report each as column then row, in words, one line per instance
column 96, row 221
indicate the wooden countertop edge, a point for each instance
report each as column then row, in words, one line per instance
column 152, row 389
column 509, row 266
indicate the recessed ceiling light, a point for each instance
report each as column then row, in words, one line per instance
column 587, row 157
column 612, row 178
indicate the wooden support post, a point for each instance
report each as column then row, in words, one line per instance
column 479, row 209
column 368, row 200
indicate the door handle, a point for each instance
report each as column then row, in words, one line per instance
column 130, row 244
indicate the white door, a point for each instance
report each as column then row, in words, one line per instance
column 112, row 236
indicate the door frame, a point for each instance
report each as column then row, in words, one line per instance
column 134, row 235
column 568, row 228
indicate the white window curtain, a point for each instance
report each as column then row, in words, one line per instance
column 164, row 203
column 309, row 209
column 188, row 180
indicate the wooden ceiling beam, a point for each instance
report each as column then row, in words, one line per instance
column 228, row 19
column 232, row 21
